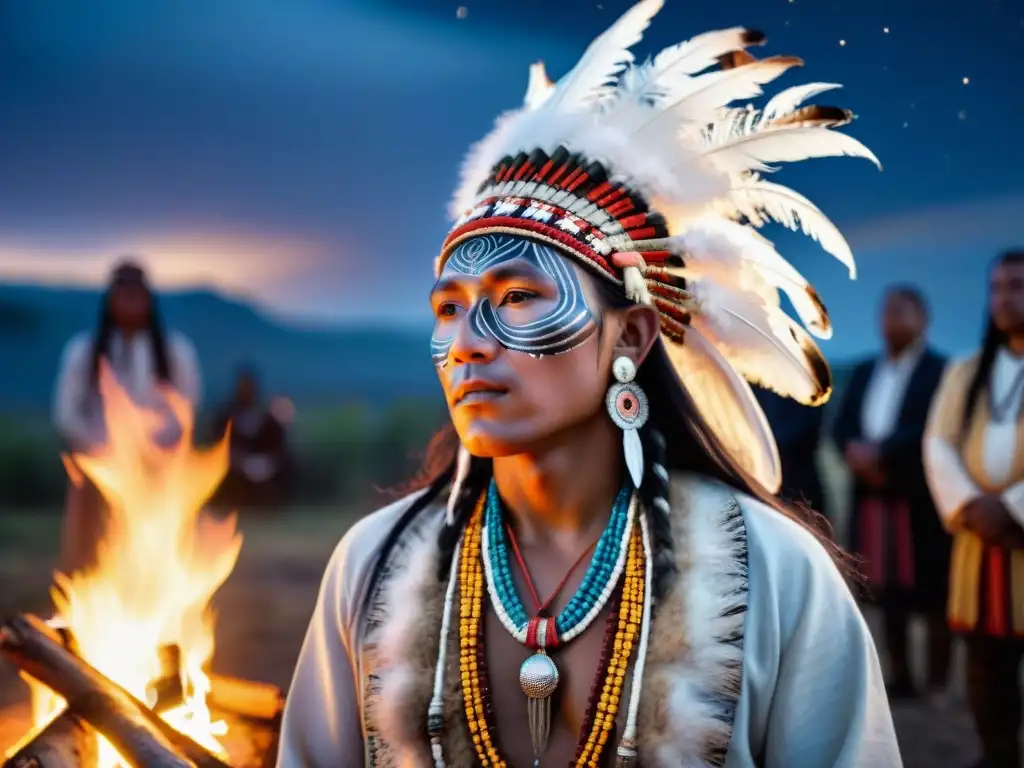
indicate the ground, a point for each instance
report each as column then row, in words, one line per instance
column 265, row 604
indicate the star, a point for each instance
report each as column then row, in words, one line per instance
column 842, row 42
column 885, row 30
column 905, row 125
column 966, row 80
column 462, row 12
column 962, row 115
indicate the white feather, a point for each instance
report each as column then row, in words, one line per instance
column 728, row 407
column 604, row 59
column 788, row 100
column 760, row 341
column 699, row 52
column 757, row 198
column 539, row 88
column 716, row 248
column 700, row 99
column 763, row 144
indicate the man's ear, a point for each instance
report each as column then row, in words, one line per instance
column 639, row 328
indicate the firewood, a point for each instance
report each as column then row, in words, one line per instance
column 135, row 731
column 66, row 742
column 245, row 698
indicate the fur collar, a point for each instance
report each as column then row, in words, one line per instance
column 694, row 662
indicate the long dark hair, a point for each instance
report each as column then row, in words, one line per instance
column 991, row 341
column 106, row 327
column 675, row 437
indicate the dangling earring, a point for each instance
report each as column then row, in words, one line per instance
column 627, row 406
column 462, row 462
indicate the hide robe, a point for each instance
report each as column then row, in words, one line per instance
column 758, row 654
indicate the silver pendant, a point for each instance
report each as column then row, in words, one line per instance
column 538, row 677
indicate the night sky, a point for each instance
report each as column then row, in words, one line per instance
column 304, row 150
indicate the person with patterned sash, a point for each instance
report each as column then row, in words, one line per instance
column 893, row 527
column 596, row 572
column 974, row 457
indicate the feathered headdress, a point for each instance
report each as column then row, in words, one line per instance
column 652, row 178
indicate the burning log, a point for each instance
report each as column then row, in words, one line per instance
column 68, row 742
column 245, row 698
column 142, row 737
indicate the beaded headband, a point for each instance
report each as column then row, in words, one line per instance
column 649, row 177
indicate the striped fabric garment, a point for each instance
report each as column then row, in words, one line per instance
column 986, row 588
column 886, row 543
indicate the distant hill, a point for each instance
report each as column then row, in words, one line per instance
column 307, row 364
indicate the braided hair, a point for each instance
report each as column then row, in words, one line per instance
column 992, row 340
column 128, row 273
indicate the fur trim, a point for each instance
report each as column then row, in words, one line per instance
column 695, row 658
column 694, row 663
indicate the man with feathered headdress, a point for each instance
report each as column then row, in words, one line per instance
column 610, row 578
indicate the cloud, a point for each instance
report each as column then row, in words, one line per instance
column 235, row 263
column 947, row 227
column 339, row 124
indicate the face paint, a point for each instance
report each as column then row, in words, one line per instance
column 564, row 327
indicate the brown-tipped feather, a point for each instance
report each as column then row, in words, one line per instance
column 817, row 365
column 735, row 59
column 816, row 114
column 824, row 324
column 754, row 37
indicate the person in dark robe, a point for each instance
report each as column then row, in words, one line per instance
column 797, row 431
column 259, row 466
column 894, row 527
column 143, row 357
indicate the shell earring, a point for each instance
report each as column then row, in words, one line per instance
column 627, row 406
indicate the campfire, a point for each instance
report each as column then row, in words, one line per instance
column 118, row 675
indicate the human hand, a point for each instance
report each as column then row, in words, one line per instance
column 865, row 462
column 989, row 518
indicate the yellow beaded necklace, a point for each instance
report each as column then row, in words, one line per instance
column 471, row 613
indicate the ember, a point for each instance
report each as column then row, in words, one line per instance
column 118, row 674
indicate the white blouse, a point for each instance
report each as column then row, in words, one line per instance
column 950, row 484
column 77, row 413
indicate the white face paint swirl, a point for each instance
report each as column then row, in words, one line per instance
column 564, row 327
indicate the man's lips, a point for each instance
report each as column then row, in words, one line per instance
column 477, row 390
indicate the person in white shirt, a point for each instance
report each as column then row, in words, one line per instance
column 974, row 457
column 131, row 339
column 893, row 526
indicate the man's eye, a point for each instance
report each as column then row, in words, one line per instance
column 516, row 297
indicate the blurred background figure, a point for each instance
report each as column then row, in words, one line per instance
column 130, row 338
column 797, row 431
column 260, row 461
column 893, row 525
column 974, row 448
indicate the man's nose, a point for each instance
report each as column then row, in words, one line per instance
column 472, row 343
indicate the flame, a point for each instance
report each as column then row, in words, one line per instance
column 157, row 567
